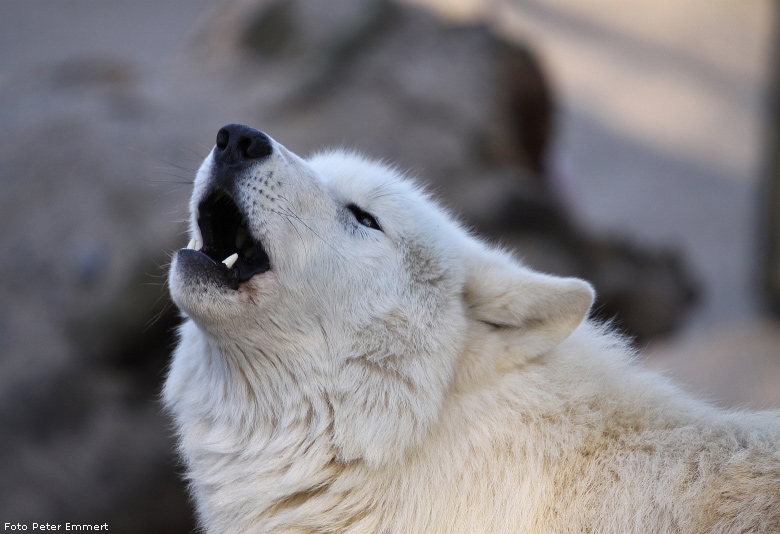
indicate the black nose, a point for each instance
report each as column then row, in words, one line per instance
column 237, row 143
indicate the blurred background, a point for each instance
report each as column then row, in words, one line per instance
column 634, row 144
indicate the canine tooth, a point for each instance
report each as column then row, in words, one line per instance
column 230, row 260
column 191, row 244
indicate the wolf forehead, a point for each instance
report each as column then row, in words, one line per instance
column 351, row 177
column 404, row 210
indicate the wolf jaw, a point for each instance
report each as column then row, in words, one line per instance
column 224, row 233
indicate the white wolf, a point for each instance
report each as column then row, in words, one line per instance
column 360, row 363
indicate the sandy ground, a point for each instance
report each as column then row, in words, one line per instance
column 734, row 365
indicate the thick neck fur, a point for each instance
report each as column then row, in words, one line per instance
column 259, row 421
column 274, row 467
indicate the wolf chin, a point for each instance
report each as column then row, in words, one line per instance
column 353, row 361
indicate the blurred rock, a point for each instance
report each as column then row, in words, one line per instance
column 84, row 439
column 643, row 292
column 771, row 192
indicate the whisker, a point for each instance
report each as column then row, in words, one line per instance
column 299, row 219
column 154, row 157
column 288, row 221
column 319, row 236
column 159, row 315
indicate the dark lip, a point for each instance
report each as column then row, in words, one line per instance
column 224, row 231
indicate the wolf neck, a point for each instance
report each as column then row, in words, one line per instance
column 247, row 418
column 259, row 394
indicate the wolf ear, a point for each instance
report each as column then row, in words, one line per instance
column 539, row 310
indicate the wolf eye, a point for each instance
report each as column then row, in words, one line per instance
column 364, row 218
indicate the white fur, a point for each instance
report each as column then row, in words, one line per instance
column 415, row 380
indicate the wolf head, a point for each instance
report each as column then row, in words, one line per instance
column 346, row 282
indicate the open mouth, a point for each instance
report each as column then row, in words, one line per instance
column 227, row 240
